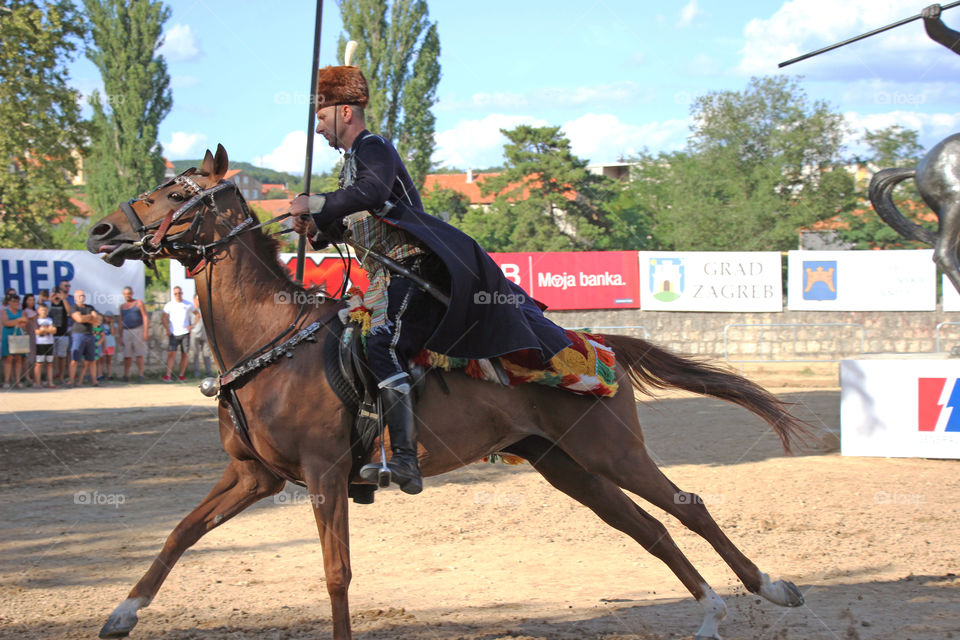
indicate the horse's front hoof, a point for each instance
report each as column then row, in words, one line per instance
column 120, row 623
column 781, row 592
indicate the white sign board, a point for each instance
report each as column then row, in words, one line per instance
column 29, row 270
column 951, row 299
column 861, row 280
column 901, row 408
column 710, row 281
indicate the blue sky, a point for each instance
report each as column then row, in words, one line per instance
column 618, row 76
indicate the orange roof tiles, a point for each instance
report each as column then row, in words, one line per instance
column 273, row 207
column 458, row 182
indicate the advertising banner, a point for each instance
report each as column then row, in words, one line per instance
column 575, row 280
column 561, row 280
column 898, row 407
column 29, row 270
column 861, row 280
column 711, row 281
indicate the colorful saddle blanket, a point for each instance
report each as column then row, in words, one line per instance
column 586, row 367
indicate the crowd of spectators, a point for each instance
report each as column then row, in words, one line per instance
column 58, row 339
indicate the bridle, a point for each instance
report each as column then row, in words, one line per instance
column 154, row 236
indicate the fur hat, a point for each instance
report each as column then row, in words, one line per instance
column 341, row 85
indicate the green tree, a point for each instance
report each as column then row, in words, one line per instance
column 445, row 203
column 40, row 123
column 546, row 199
column 760, row 165
column 399, row 53
column 893, row 146
column 126, row 158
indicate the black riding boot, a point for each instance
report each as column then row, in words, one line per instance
column 397, row 407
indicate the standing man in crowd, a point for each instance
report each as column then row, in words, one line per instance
column 133, row 330
column 199, row 344
column 82, row 344
column 179, row 318
column 61, row 307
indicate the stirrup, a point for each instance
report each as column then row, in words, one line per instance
column 378, row 474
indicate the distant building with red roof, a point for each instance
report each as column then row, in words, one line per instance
column 250, row 187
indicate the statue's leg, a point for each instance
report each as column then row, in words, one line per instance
column 946, row 251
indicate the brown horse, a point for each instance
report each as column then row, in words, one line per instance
column 589, row 448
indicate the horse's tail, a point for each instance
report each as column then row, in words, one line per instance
column 650, row 366
column 881, row 195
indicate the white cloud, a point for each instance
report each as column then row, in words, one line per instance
column 801, row 26
column 601, row 137
column 181, row 44
column 289, row 154
column 477, row 143
column 185, row 145
column 932, row 127
column 688, row 13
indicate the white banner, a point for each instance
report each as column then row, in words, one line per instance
column 951, row 299
column 710, row 281
column 29, row 270
column 861, row 280
column 898, row 407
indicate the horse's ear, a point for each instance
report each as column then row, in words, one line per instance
column 220, row 163
column 207, row 167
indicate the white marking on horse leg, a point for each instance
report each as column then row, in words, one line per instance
column 714, row 610
column 130, row 606
column 781, row 592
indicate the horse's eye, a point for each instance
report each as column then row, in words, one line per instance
column 175, row 196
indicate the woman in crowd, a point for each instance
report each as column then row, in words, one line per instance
column 13, row 320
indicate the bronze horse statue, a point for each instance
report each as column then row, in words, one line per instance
column 938, row 181
column 587, row 447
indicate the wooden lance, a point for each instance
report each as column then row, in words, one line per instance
column 311, row 107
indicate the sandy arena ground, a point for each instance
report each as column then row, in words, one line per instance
column 93, row 480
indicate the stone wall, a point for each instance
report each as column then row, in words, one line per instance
column 789, row 335
column 786, row 336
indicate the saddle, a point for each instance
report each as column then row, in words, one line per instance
column 346, row 369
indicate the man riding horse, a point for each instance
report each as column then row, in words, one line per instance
column 378, row 207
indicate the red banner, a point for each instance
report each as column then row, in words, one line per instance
column 326, row 271
column 576, row 279
column 560, row 280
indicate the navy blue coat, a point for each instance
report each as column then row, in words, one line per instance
column 488, row 315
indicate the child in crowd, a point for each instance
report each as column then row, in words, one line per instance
column 98, row 340
column 109, row 346
column 45, row 332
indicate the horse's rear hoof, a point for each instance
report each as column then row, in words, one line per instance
column 119, row 625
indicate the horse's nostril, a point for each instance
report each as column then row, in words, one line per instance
column 102, row 230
